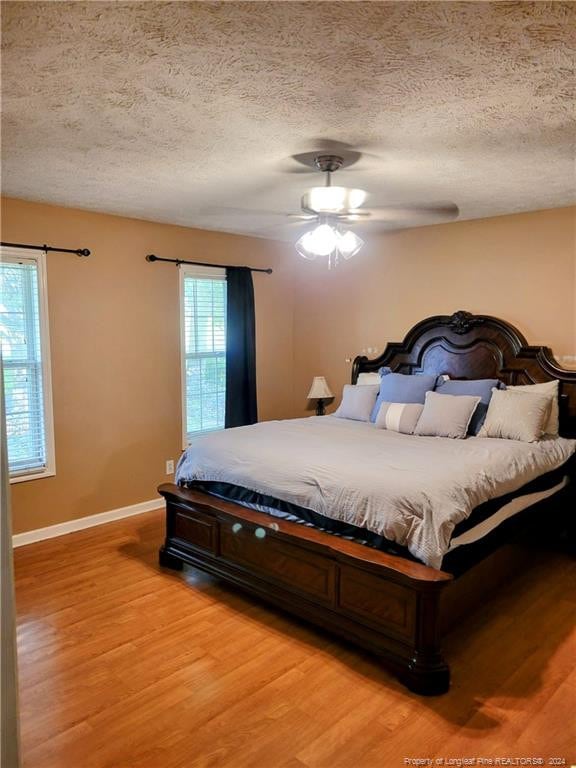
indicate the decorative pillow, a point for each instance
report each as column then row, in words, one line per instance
column 446, row 415
column 399, row 417
column 550, row 389
column 516, row 415
column 402, row 388
column 357, row 402
column 368, row 378
column 481, row 388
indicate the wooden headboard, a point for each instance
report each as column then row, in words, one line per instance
column 467, row 346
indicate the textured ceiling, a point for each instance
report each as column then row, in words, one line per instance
column 174, row 111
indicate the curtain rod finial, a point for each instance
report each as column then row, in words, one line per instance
column 151, row 257
column 83, row 252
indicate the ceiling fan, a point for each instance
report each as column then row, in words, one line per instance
column 331, row 207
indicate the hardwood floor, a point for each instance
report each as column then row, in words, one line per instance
column 108, row 680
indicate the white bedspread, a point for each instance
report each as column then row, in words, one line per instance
column 412, row 490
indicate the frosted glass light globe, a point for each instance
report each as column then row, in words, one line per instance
column 349, row 243
column 321, row 241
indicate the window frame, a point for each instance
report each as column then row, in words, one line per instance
column 19, row 255
column 187, row 270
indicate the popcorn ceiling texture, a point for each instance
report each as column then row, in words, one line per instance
column 173, row 111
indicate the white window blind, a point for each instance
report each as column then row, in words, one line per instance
column 25, row 358
column 203, row 317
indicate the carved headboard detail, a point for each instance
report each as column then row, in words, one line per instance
column 467, row 346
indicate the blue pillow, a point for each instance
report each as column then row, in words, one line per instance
column 482, row 388
column 402, row 388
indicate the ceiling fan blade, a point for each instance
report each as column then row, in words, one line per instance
column 293, row 169
column 302, row 216
column 360, row 214
column 398, row 213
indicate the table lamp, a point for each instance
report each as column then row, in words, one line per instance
column 319, row 391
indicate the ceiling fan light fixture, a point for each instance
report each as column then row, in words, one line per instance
column 327, row 240
column 333, row 199
column 349, row 243
column 320, row 241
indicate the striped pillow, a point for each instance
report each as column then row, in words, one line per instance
column 399, row 417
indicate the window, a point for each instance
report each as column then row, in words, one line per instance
column 203, row 324
column 26, row 363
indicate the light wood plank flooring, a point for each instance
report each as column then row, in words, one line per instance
column 109, row 679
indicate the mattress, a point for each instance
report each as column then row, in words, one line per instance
column 411, row 491
column 483, row 521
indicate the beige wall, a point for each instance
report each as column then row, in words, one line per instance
column 520, row 268
column 114, row 331
column 115, row 336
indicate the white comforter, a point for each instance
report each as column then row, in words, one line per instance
column 412, row 490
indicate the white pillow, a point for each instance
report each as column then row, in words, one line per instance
column 357, row 402
column 368, row 378
column 516, row 415
column 399, row 417
column 446, row 415
column 550, row 389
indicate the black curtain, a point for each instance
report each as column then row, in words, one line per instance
column 241, row 407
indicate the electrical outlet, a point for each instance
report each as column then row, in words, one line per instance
column 170, row 467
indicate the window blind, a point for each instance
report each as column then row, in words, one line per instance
column 204, row 350
column 21, row 346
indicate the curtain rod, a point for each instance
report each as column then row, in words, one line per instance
column 152, row 257
column 46, row 248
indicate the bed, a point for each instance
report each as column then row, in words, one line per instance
column 289, row 533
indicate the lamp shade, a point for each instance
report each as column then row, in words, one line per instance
column 319, row 389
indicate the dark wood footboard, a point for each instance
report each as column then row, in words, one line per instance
column 385, row 604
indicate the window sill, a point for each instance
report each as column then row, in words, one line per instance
column 32, row 476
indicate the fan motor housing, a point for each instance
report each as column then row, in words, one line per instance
column 328, row 163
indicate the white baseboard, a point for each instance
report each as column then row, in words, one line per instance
column 60, row 529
